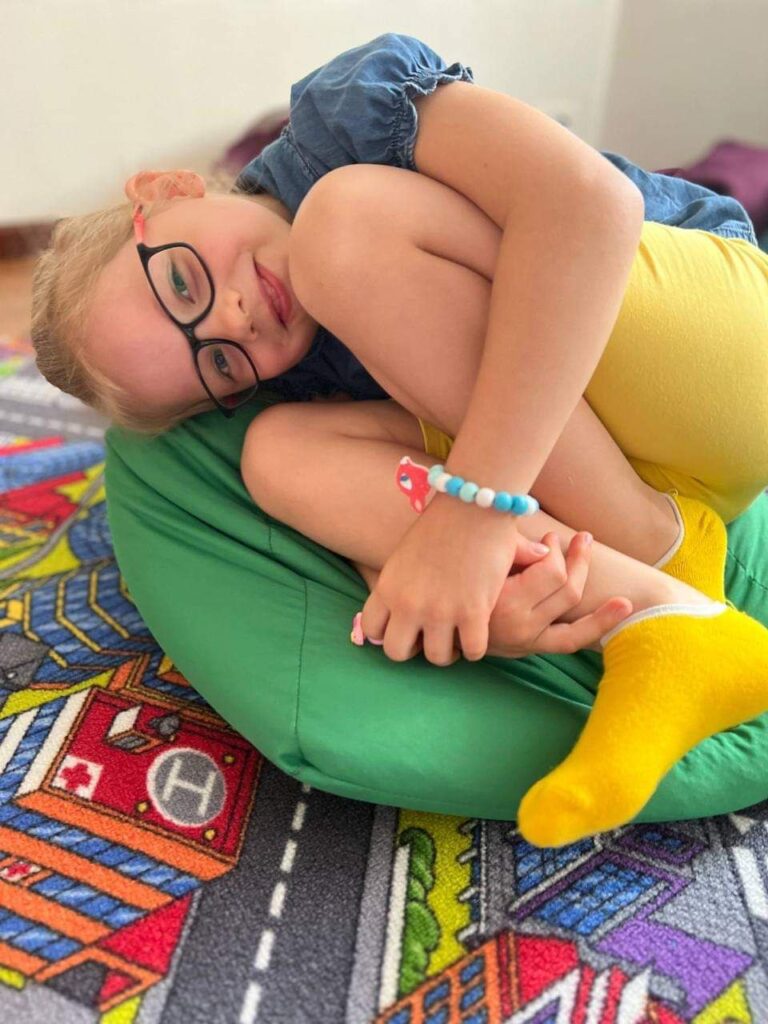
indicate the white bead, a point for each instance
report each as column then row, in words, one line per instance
column 484, row 497
column 441, row 481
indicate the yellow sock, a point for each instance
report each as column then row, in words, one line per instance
column 698, row 555
column 674, row 674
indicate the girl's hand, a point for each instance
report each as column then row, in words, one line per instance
column 523, row 621
column 445, row 575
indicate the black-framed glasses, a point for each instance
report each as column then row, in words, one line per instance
column 182, row 284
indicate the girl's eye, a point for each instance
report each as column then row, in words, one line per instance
column 220, row 363
column 178, row 283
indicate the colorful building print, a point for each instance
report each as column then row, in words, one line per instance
column 147, row 851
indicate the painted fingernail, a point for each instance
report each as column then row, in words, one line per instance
column 541, row 549
column 588, row 538
column 357, row 636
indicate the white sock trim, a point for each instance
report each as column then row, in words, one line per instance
column 700, row 610
column 680, row 537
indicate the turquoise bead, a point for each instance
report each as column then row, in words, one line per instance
column 433, row 474
column 503, row 501
column 454, row 485
column 468, row 491
column 519, row 505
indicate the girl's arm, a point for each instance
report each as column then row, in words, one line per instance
column 571, row 224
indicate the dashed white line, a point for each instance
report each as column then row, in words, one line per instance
column 251, row 1003
column 264, row 952
column 278, row 899
column 298, row 816
column 252, row 998
column 288, row 856
column 52, row 424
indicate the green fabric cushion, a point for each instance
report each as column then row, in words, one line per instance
column 258, row 617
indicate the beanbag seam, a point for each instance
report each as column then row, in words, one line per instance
column 418, row 802
column 296, row 737
column 745, row 571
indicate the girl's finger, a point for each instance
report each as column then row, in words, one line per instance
column 566, row 597
column 402, row 640
column 569, row 637
column 540, row 580
column 438, row 645
column 374, row 618
column 473, row 636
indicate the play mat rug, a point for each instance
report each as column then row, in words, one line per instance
column 155, row 869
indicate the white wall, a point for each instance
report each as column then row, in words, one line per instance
column 94, row 90
column 687, row 73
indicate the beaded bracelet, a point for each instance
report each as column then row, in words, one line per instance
column 415, row 481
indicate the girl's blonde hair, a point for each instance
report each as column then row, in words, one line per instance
column 63, row 280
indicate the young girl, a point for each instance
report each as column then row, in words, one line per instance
column 484, row 295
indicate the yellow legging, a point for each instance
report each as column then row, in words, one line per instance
column 682, row 386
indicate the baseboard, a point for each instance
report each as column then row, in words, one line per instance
column 19, row 240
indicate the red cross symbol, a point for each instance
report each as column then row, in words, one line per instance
column 76, row 776
column 20, row 868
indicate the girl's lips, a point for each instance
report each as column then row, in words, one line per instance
column 266, row 295
column 278, row 291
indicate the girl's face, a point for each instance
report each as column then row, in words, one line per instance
column 129, row 336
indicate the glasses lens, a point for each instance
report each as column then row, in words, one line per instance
column 180, row 281
column 227, row 372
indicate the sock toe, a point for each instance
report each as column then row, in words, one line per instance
column 553, row 814
column 674, row 675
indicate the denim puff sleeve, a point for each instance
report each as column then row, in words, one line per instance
column 357, row 108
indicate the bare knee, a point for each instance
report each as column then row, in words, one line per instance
column 271, row 449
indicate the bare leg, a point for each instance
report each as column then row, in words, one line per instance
column 362, row 515
column 425, row 348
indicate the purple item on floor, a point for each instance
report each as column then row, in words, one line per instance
column 251, row 143
column 733, row 169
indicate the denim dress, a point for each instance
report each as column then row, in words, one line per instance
column 358, row 108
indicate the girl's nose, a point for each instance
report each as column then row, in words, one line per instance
column 232, row 317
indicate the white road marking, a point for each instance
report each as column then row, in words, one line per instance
column 278, row 899
column 298, row 817
column 288, row 856
column 264, row 952
column 250, row 1008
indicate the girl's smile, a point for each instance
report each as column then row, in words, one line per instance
column 244, row 244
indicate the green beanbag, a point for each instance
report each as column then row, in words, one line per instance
column 258, row 617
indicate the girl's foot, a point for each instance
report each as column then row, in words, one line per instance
column 674, row 674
